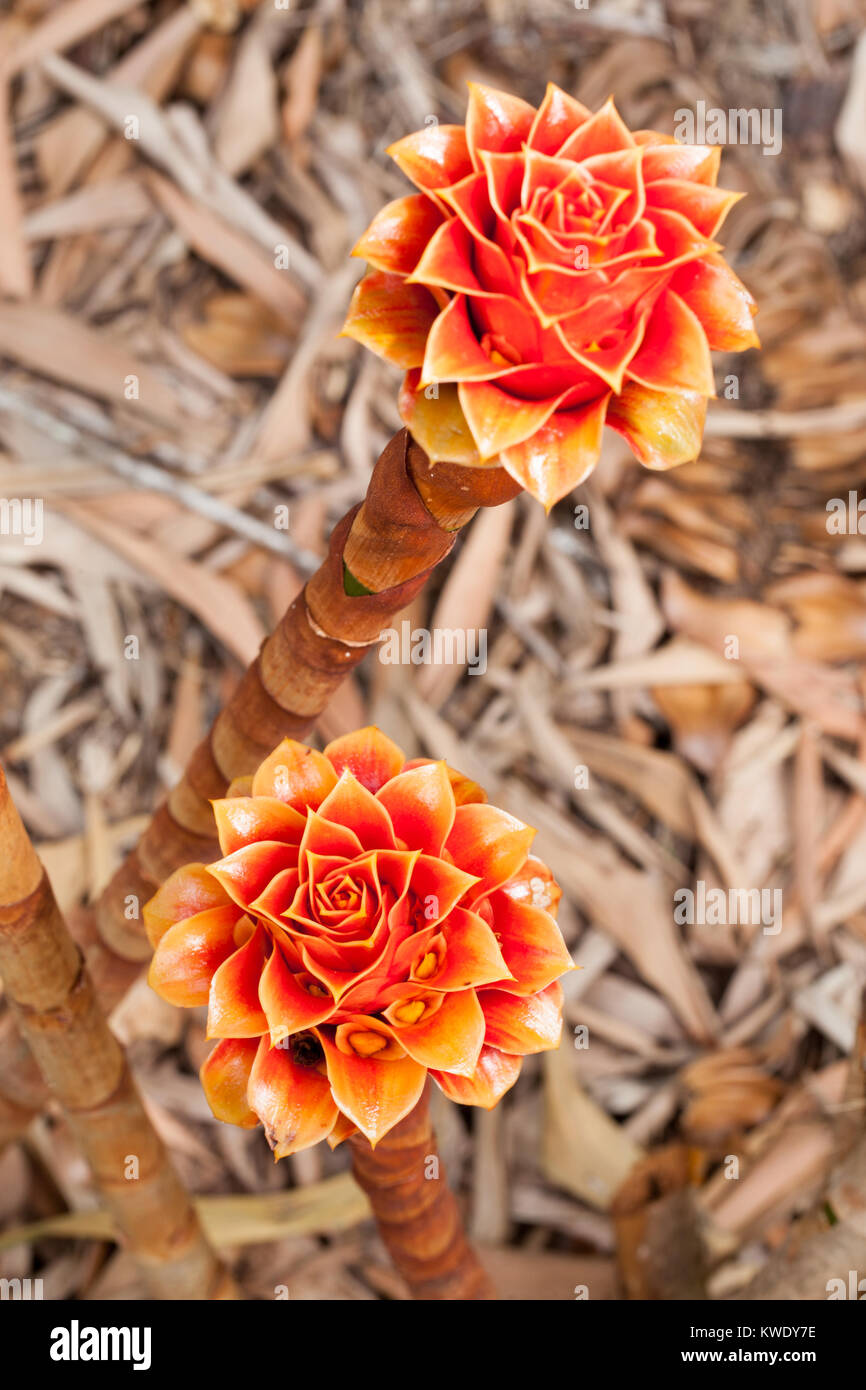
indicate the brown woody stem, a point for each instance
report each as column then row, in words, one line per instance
column 407, row 523
column 417, row 1213
column 386, row 548
column 390, row 544
column 53, row 998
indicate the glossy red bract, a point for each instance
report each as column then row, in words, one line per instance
column 554, row 273
column 371, row 922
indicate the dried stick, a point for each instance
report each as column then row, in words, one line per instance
column 53, row 998
column 417, row 1213
column 149, row 477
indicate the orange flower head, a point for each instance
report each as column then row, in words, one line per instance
column 555, row 272
column 371, row 921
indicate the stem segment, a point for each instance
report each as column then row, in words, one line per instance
column 53, row 998
column 389, row 545
column 417, row 1213
column 381, row 554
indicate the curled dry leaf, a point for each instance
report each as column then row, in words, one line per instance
column 240, row 335
column 830, row 615
column 727, row 1091
column 703, row 718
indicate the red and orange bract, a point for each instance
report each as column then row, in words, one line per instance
column 555, row 272
column 372, row 921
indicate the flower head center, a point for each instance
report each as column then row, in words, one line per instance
column 344, row 896
column 500, row 351
column 305, row 1049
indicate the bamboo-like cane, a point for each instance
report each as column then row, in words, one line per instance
column 381, row 555
column 417, row 1213
column 388, row 545
column 82, row 1062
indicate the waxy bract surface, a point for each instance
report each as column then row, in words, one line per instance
column 372, row 921
column 554, row 273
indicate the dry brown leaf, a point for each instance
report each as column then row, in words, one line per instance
column 760, row 637
column 584, row 1151
column 830, row 613
column 736, row 629
column 678, row 662
column 807, row 821
column 777, row 1182
column 247, row 118
column 634, row 907
column 61, row 28
column 467, row 600
column 752, row 803
column 187, row 720
column 215, row 600
column 240, row 335
column 70, row 143
column 660, row 1251
column 682, row 547
column 736, row 1098
column 656, row 778
column 547, row 1276
column 560, row 760
column 242, row 1219
column 229, row 250
column 60, row 346
column 16, row 275
column 301, row 76
column 849, row 125
column 120, row 202
column 703, row 718
column 205, row 71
